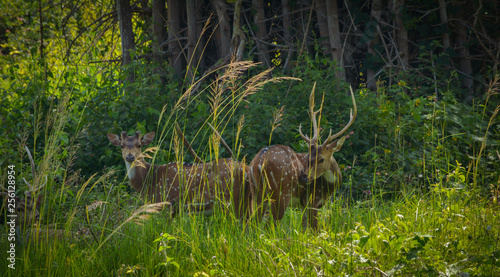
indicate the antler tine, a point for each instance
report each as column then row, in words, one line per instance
column 186, row 143
column 351, row 120
column 315, row 126
column 313, row 114
column 304, row 137
column 221, row 140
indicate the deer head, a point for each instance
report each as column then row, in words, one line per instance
column 131, row 145
column 320, row 156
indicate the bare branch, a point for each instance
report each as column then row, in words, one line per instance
column 221, row 140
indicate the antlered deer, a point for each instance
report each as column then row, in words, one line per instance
column 279, row 173
column 196, row 186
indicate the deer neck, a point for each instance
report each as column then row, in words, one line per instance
column 137, row 174
column 333, row 175
column 303, row 159
column 302, row 167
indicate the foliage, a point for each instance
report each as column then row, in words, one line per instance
column 427, row 153
column 446, row 232
column 420, row 164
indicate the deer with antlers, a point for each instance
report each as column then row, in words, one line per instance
column 280, row 174
column 197, row 187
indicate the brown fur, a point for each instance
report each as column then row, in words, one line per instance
column 196, row 187
column 281, row 174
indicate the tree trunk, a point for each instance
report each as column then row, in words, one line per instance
column 334, row 35
column 158, row 24
column 464, row 64
column 376, row 14
column 200, row 29
column 349, row 48
column 224, row 26
column 127, row 36
column 401, row 34
column 259, row 17
column 320, row 9
column 286, row 33
column 174, row 45
column 444, row 20
column 192, row 38
column 145, row 17
column 42, row 47
column 238, row 40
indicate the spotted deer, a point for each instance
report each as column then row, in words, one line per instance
column 195, row 187
column 280, row 174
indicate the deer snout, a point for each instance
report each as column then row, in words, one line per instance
column 130, row 158
column 303, row 178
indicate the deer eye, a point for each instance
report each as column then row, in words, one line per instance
column 321, row 160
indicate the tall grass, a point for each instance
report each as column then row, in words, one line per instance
column 448, row 230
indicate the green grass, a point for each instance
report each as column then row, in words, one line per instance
column 441, row 233
column 437, row 220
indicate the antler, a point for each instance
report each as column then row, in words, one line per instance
column 186, row 143
column 313, row 114
column 221, row 140
column 353, row 116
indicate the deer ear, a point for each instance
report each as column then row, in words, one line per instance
column 337, row 145
column 114, row 139
column 148, row 138
column 123, row 134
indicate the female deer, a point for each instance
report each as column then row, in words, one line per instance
column 196, row 186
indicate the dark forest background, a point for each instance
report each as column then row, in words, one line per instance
column 124, row 65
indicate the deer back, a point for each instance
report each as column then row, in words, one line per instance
column 279, row 168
